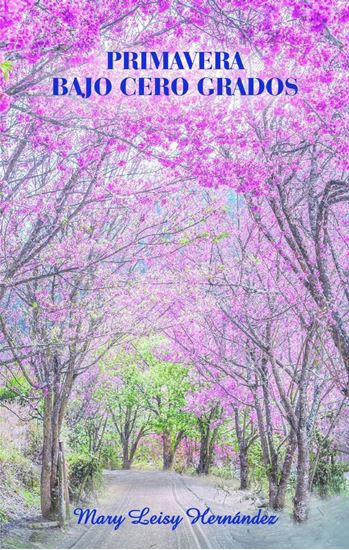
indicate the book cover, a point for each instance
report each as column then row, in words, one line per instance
column 174, row 263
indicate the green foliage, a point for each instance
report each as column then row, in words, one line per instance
column 85, row 474
column 76, row 434
column 17, row 388
column 3, row 515
column 329, row 474
column 33, row 446
column 165, row 387
column 127, row 390
column 255, row 461
column 145, row 459
column 109, row 457
column 19, row 482
column 156, row 388
column 31, row 498
column 257, row 471
column 16, row 466
column 345, row 466
column 6, row 68
column 223, row 235
column 221, row 472
column 329, row 478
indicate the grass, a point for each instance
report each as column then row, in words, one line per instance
column 31, row 498
column 19, row 484
column 3, row 516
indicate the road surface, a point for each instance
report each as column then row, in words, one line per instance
column 174, row 494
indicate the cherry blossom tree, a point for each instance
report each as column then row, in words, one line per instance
column 217, row 221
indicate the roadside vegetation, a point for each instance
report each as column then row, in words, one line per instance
column 139, row 410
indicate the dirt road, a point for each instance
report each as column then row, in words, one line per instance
column 173, row 495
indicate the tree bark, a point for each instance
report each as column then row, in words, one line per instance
column 280, row 497
column 277, row 480
column 243, row 458
column 126, row 464
column 126, row 428
column 167, row 451
column 55, row 402
column 301, row 499
column 45, row 482
column 50, row 495
column 265, row 427
column 126, row 461
column 243, row 449
column 203, row 466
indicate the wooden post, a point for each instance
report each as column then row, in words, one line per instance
column 66, row 487
column 60, row 488
column 63, row 494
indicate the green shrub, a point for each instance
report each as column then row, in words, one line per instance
column 33, row 447
column 257, row 472
column 31, row 498
column 19, row 483
column 223, row 472
column 16, row 389
column 329, row 478
column 16, row 467
column 85, row 475
column 110, row 458
column 329, row 474
column 144, row 458
column 3, row 516
column 345, row 466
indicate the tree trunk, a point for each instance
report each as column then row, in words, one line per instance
column 126, row 464
column 244, row 482
column 243, row 450
column 63, row 493
column 54, row 488
column 204, row 465
column 265, row 427
column 126, row 461
column 272, row 489
column 301, row 499
column 45, row 483
column 269, row 466
column 167, row 451
column 53, row 479
column 280, row 497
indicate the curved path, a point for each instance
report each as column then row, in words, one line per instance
column 173, row 494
